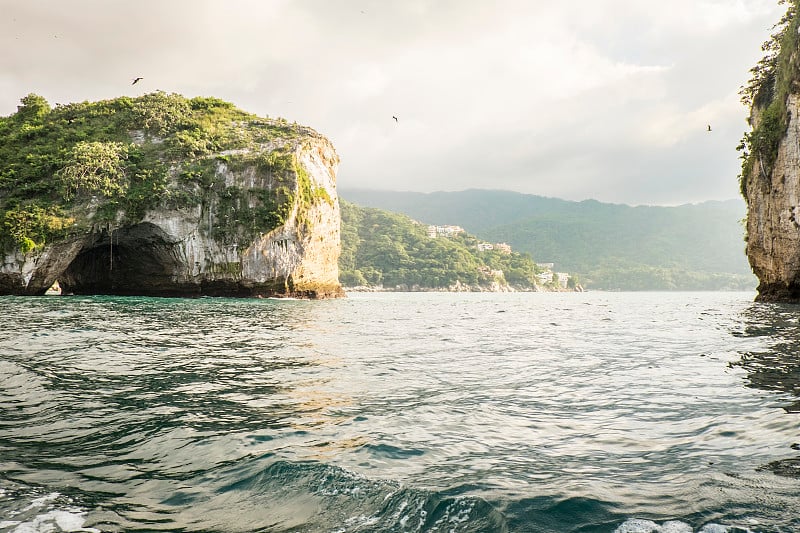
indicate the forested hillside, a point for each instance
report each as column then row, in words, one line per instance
column 611, row 246
column 386, row 249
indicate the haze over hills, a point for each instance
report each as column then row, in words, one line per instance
column 610, row 246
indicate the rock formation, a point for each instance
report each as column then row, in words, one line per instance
column 773, row 218
column 173, row 197
column 770, row 179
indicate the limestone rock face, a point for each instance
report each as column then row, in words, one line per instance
column 770, row 179
column 204, row 246
column 773, row 218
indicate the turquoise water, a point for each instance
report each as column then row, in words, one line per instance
column 626, row 412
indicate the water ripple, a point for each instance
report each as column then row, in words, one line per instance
column 400, row 412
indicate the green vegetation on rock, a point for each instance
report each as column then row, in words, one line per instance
column 767, row 91
column 70, row 167
column 386, row 249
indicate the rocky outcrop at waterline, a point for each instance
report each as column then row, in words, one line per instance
column 770, row 179
column 165, row 196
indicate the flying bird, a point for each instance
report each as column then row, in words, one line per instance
column 135, row 80
column 395, row 118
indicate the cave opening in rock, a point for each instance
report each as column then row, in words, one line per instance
column 137, row 260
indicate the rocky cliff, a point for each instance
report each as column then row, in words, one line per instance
column 770, row 179
column 165, row 196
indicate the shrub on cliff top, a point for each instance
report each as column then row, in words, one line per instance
column 94, row 167
column 767, row 90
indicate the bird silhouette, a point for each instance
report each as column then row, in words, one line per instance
column 709, row 127
column 135, row 80
column 395, row 118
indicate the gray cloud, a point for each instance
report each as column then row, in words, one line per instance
column 608, row 99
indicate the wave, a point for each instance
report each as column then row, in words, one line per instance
column 310, row 496
column 286, row 496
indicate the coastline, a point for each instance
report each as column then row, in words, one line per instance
column 458, row 288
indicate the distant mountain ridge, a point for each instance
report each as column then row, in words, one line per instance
column 611, row 246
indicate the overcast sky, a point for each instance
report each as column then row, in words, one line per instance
column 604, row 99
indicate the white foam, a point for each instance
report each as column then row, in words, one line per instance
column 468, row 506
column 40, row 502
column 714, row 528
column 47, row 519
column 636, row 525
column 55, row 521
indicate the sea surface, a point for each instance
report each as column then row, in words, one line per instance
column 428, row 412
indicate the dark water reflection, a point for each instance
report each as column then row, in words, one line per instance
column 775, row 367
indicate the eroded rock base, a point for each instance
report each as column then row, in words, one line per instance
column 778, row 292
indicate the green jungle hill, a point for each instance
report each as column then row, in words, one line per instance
column 608, row 246
column 390, row 250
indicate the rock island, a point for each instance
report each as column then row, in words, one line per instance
column 162, row 195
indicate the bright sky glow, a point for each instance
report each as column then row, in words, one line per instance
column 607, row 99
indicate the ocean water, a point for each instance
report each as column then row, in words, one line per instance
column 429, row 412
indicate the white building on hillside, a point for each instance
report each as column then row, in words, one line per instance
column 444, row 231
